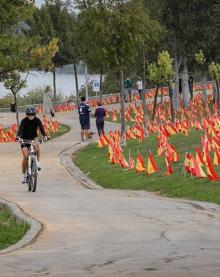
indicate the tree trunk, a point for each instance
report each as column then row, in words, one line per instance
column 101, row 77
column 86, row 77
column 143, row 94
column 171, row 102
column 16, row 106
column 176, row 95
column 185, row 84
column 54, row 85
column 217, row 87
column 77, row 84
column 204, row 92
column 155, row 103
column 122, row 92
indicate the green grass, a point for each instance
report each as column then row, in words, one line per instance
column 10, row 231
column 127, row 123
column 63, row 129
column 94, row 162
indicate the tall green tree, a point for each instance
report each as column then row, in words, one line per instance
column 161, row 73
column 119, row 32
column 40, row 57
column 14, row 47
column 190, row 25
column 53, row 19
column 214, row 70
column 19, row 53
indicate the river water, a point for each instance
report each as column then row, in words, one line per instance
column 65, row 82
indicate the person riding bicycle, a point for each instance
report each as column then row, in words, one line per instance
column 28, row 131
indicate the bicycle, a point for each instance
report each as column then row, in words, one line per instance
column 32, row 170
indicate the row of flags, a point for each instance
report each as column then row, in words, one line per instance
column 199, row 163
column 113, row 99
column 116, row 156
column 9, row 134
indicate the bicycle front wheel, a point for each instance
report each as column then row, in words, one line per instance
column 33, row 177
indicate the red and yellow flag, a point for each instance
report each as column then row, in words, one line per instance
column 151, row 165
column 140, row 167
column 168, row 165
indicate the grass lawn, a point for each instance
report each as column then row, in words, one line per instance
column 94, row 162
column 63, row 129
column 10, row 231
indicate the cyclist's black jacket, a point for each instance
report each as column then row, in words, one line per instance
column 28, row 128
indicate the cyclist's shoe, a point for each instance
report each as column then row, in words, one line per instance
column 24, row 178
column 38, row 165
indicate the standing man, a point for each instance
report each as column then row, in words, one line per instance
column 140, row 87
column 84, row 118
column 100, row 114
column 128, row 88
column 47, row 103
column 190, row 82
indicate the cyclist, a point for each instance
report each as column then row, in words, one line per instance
column 28, row 131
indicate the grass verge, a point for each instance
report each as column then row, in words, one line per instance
column 63, row 129
column 10, row 231
column 94, row 162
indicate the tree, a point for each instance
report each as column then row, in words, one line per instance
column 14, row 48
column 15, row 83
column 54, row 20
column 160, row 73
column 214, row 70
column 190, row 25
column 119, row 33
column 93, row 34
column 202, row 67
column 17, row 51
column 40, row 57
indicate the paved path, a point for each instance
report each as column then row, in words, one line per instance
column 105, row 232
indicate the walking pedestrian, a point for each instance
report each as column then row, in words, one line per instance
column 128, row 86
column 190, row 82
column 140, row 87
column 100, row 114
column 47, row 103
column 84, row 118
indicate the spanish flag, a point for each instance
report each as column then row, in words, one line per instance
column 212, row 175
column 168, row 165
column 151, row 165
column 198, row 169
column 114, row 117
column 122, row 161
column 216, row 156
column 140, row 164
column 199, row 157
column 131, row 163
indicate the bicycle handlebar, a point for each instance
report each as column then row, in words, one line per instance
column 38, row 141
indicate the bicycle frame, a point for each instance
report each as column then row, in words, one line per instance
column 32, row 170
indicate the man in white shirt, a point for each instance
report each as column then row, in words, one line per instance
column 140, row 87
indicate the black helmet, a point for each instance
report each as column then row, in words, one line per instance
column 31, row 111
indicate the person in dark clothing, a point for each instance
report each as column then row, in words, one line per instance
column 190, row 82
column 180, row 86
column 28, row 131
column 128, row 86
column 84, row 118
column 13, row 107
column 100, row 113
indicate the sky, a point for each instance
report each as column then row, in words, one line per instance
column 39, row 2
